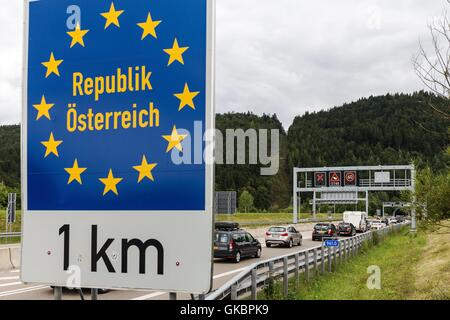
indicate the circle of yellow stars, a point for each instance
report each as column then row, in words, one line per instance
column 174, row 139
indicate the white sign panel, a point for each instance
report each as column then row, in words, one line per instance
column 382, row 177
column 113, row 95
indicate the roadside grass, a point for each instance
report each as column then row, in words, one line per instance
column 268, row 218
column 432, row 275
column 16, row 227
column 397, row 256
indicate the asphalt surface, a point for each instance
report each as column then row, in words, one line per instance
column 12, row 289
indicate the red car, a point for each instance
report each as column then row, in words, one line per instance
column 346, row 229
column 324, row 230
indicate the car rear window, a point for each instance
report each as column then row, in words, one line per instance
column 321, row 227
column 221, row 238
column 277, row 229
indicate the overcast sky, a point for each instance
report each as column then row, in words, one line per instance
column 283, row 56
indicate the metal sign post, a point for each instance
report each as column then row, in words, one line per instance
column 11, row 211
column 413, row 209
column 117, row 148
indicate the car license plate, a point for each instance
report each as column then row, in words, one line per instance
column 216, row 248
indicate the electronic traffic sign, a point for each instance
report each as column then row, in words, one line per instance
column 335, row 179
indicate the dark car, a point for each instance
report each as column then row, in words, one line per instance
column 324, row 230
column 346, row 229
column 231, row 242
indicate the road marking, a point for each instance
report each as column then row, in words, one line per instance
column 218, row 276
column 149, row 296
column 160, row 293
column 10, row 284
column 15, row 271
column 229, row 273
column 23, row 290
column 9, row 278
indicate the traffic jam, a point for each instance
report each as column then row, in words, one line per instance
column 233, row 243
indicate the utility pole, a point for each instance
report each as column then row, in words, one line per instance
column 413, row 208
column 294, row 198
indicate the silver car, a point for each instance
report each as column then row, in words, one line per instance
column 283, row 235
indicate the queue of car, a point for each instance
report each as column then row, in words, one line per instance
column 233, row 243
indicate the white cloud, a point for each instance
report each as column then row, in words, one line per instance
column 282, row 56
column 288, row 57
column 11, row 29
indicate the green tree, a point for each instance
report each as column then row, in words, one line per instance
column 245, row 201
column 3, row 196
column 433, row 196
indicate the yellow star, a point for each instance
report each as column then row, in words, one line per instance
column 51, row 146
column 176, row 53
column 43, row 109
column 52, row 65
column 112, row 17
column 110, row 183
column 75, row 172
column 175, row 140
column 186, row 98
column 77, row 35
column 145, row 170
column 149, row 27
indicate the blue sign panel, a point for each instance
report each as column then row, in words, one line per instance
column 331, row 243
column 113, row 90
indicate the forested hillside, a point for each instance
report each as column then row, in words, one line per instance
column 10, row 155
column 268, row 192
column 391, row 129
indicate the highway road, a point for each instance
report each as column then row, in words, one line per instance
column 12, row 289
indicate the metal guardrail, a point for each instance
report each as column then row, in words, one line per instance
column 392, row 183
column 10, row 235
column 320, row 258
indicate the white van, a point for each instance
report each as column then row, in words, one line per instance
column 358, row 219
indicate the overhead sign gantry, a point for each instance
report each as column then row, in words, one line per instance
column 344, row 185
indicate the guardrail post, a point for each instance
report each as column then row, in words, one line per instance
column 297, row 267
column 340, row 252
column 315, row 259
column 307, row 265
column 285, row 277
column 57, row 292
column 344, row 249
column 271, row 270
column 335, row 257
column 350, row 248
column 271, row 280
column 233, row 292
column 322, row 258
column 254, row 284
column 354, row 247
column 172, row 296
column 94, row 294
column 329, row 259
